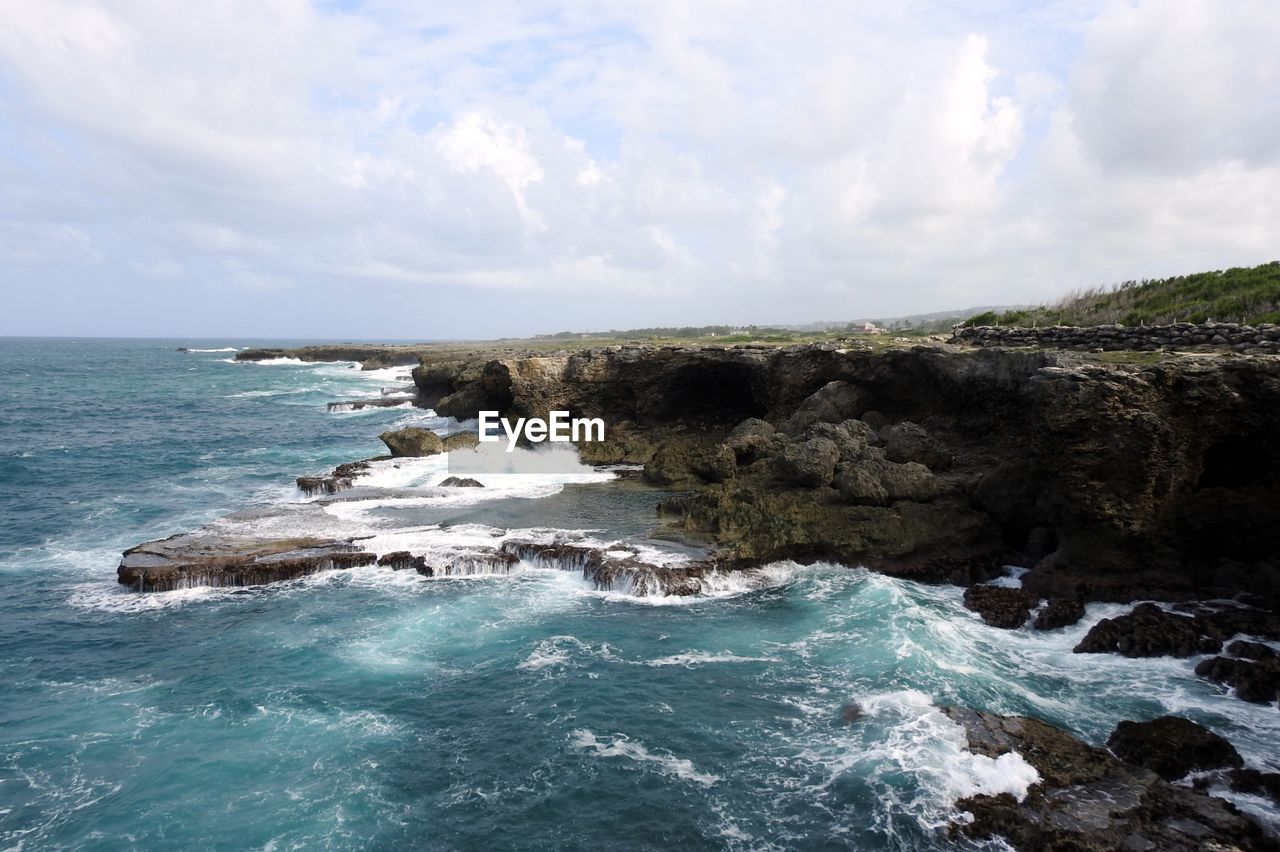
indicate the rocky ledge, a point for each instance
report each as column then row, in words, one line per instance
column 210, row 558
column 200, row 558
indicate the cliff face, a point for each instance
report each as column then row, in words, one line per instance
column 1116, row 481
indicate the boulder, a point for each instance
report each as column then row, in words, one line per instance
column 753, row 439
column 1172, row 747
column 909, row 442
column 1149, row 631
column 859, row 486
column 834, row 402
column 1000, row 606
column 851, row 437
column 811, row 462
column 412, row 442
column 910, row 481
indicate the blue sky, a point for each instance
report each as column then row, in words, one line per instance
column 406, row 170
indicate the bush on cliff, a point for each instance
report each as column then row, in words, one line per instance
column 1242, row 294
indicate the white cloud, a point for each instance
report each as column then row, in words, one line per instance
column 737, row 161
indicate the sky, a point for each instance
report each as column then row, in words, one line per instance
column 413, row 170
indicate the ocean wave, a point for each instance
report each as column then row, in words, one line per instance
column 621, row 746
column 223, row 349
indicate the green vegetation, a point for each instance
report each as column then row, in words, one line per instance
column 1245, row 295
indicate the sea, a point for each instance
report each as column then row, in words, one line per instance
column 379, row 709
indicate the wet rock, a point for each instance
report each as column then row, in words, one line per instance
column 403, row 560
column 204, row 558
column 1149, row 631
column 686, row 461
column 379, row 402
column 808, row 463
column 1059, row 612
column 460, row 482
column 342, row 477
column 412, row 442
column 1256, row 783
column 909, row 442
column 1089, row 799
column 1000, row 606
column 1258, row 682
column 1172, row 747
column 610, row 571
column 1250, row 650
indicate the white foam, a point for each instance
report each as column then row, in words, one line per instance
column 1012, row 578
column 223, row 349
column 276, row 362
column 689, row 659
column 621, row 746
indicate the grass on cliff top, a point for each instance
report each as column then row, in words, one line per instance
column 1245, row 295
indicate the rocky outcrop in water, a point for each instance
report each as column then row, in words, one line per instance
column 195, row 559
column 371, row 356
column 412, row 442
column 1172, row 747
column 1089, row 799
column 341, row 478
column 999, row 606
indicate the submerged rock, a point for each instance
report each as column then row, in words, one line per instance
column 1172, row 747
column 412, row 442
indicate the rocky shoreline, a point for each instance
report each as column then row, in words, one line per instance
column 1107, row 481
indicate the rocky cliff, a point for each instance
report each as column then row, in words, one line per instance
column 1116, row 481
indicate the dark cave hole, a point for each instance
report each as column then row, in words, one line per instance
column 1235, row 462
column 720, row 394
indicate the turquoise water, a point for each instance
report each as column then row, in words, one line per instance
column 379, row 709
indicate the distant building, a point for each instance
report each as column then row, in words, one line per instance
column 865, row 328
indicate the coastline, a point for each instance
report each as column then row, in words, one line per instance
column 963, row 476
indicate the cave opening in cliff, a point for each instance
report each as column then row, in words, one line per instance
column 1235, row 462
column 714, row 394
